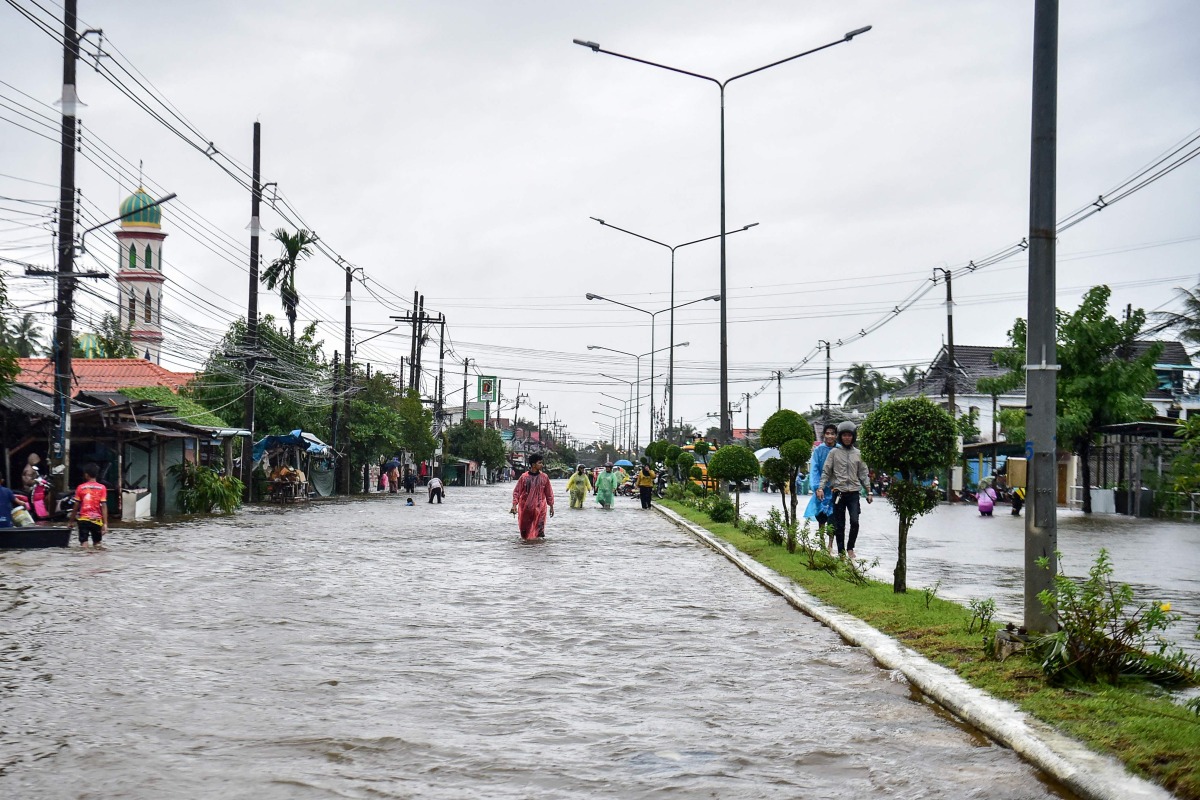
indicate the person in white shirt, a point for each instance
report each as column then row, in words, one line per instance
column 436, row 489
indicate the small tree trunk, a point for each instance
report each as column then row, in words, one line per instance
column 900, row 575
column 795, row 498
column 737, row 501
column 1085, row 451
column 783, row 502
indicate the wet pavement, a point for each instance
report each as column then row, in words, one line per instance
column 976, row 557
column 369, row 650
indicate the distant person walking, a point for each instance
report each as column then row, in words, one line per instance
column 645, row 485
column 578, row 486
column 533, row 499
column 606, row 486
column 844, row 474
column 821, row 509
column 91, row 507
column 436, row 489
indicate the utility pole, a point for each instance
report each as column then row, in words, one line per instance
column 348, row 381
column 333, row 422
column 252, row 315
column 418, row 319
column 779, row 390
column 421, row 320
column 541, row 408
column 746, row 397
column 466, row 364
column 951, row 364
column 828, row 371
column 1041, row 359
column 412, row 345
column 439, row 410
column 64, row 312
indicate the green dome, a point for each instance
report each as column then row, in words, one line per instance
column 136, row 203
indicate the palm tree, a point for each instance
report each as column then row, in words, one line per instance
column 24, row 338
column 859, row 385
column 1186, row 323
column 910, row 375
column 282, row 271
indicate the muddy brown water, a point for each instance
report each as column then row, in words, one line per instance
column 370, row 650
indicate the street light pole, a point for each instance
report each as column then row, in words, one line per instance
column 595, row 48
column 671, row 359
column 653, row 315
column 639, row 368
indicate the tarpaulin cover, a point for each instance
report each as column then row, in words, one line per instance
column 297, row 438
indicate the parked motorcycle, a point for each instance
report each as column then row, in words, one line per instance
column 47, row 504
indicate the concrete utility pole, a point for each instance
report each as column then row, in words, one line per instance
column 541, row 408
column 828, row 368
column 252, row 314
column 746, row 397
column 466, row 364
column 333, row 422
column 60, row 453
column 951, row 364
column 779, row 390
column 1041, row 360
column 412, row 345
column 348, row 381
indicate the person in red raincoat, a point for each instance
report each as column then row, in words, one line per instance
column 532, row 498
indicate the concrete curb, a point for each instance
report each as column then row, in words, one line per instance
column 1083, row 771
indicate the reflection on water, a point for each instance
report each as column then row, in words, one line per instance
column 369, row 650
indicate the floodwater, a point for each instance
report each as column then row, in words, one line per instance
column 370, row 650
column 976, row 557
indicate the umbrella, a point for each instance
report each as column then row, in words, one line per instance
column 392, row 464
column 624, row 462
column 765, row 453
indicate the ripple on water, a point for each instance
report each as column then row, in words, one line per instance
column 373, row 650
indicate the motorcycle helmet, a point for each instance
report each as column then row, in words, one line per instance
column 847, row 427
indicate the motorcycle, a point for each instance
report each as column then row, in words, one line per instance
column 47, row 504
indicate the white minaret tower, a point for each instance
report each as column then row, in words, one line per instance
column 139, row 275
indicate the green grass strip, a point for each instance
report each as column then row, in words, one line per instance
column 1152, row 736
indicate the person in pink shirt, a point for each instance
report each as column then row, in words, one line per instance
column 533, row 498
column 91, row 507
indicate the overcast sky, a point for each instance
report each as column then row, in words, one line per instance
column 459, row 148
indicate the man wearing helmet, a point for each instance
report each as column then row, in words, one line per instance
column 844, row 473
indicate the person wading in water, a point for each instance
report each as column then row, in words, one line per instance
column 533, row 498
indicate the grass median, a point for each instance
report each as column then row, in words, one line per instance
column 1136, row 723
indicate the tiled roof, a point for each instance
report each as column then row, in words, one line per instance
column 101, row 374
column 975, row 362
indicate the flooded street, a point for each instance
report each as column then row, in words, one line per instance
column 976, row 557
column 369, row 650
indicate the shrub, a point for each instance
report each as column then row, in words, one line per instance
column 720, row 509
column 734, row 463
column 202, row 488
column 1104, row 634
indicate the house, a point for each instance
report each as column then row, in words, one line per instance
column 101, row 374
column 134, row 435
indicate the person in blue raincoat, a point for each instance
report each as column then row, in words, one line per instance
column 821, row 510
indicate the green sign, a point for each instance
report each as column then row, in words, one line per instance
column 489, row 388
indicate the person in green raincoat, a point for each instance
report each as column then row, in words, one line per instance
column 578, row 485
column 607, row 483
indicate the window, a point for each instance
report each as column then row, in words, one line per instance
column 159, row 320
column 149, row 258
column 149, row 307
column 132, row 257
column 132, row 308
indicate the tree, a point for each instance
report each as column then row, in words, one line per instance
column 702, row 449
column 734, row 463
column 282, row 271
column 781, row 428
column 474, row 442
column 909, row 376
column 385, row 419
column 684, row 462
column 112, row 341
column 861, row 385
column 913, row 437
column 292, row 382
column 1186, row 323
column 1099, row 382
column 9, row 370
column 24, row 338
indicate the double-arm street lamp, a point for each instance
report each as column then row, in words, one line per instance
column 629, row 405
column 653, row 316
column 638, row 436
column 721, row 84
column 672, row 248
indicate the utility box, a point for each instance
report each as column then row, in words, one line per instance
column 1017, row 472
column 135, row 504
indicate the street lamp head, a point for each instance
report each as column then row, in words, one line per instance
column 848, row 37
column 597, row 220
column 748, row 227
column 714, row 297
column 594, row 47
column 591, row 296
